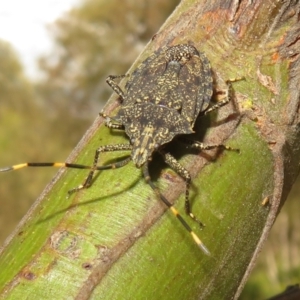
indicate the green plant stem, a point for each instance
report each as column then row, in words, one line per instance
column 116, row 240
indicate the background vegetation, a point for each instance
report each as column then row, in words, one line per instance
column 44, row 120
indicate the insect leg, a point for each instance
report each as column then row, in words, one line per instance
column 226, row 100
column 88, row 181
column 107, row 148
column 109, row 122
column 111, row 82
column 177, row 167
column 117, row 89
column 200, row 146
column 174, row 210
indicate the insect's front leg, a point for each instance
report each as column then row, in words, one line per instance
column 107, row 148
column 109, row 122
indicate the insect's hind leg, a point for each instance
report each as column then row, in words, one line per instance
column 178, row 168
column 201, row 146
column 107, row 148
column 173, row 210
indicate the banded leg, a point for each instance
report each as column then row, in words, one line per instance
column 109, row 122
column 173, row 210
column 108, row 148
column 226, row 100
column 201, row 146
column 178, row 168
column 110, row 80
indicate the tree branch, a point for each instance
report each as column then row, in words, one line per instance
column 115, row 240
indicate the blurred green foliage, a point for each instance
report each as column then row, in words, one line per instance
column 22, row 123
column 95, row 40
column 44, row 120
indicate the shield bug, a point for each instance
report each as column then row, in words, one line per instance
column 160, row 102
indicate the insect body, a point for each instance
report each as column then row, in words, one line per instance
column 161, row 101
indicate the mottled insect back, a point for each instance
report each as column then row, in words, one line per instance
column 160, row 102
column 150, row 126
column 163, row 98
column 177, row 77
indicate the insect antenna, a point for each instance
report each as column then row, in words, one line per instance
column 174, row 210
column 59, row 165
